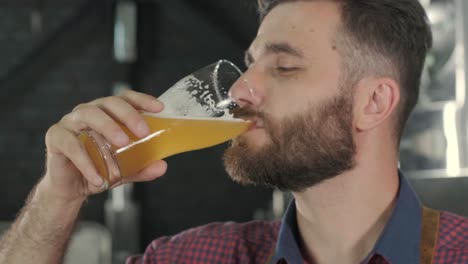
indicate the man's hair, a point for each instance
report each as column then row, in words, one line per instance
column 381, row 38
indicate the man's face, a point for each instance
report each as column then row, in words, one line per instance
column 293, row 92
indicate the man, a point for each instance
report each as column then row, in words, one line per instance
column 329, row 87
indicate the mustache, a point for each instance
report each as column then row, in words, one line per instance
column 250, row 113
column 245, row 112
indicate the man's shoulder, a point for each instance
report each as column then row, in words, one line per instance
column 250, row 242
column 453, row 232
column 452, row 242
column 250, row 231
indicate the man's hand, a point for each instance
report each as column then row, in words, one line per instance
column 70, row 172
column 41, row 232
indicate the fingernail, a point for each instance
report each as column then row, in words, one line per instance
column 158, row 104
column 143, row 128
column 121, row 139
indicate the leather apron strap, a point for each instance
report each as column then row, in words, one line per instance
column 429, row 235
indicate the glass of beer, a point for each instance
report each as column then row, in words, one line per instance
column 197, row 114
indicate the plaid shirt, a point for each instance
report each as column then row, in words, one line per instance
column 275, row 242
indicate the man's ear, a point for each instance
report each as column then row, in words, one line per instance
column 376, row 100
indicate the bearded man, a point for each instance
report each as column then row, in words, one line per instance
column 329, row 87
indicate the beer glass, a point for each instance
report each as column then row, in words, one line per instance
column 197, row 115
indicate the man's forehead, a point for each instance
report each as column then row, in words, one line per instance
column 299, row 23
column 303, row 15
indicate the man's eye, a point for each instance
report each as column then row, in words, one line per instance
column 286, row 69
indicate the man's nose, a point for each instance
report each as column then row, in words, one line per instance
column 246, row 92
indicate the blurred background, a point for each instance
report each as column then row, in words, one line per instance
column 56, row 54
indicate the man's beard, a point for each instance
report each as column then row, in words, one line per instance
column 302, row 151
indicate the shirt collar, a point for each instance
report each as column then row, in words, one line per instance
column 400, row 240
column 286, row 246
column 398, row 243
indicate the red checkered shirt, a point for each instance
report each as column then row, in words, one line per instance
column 261, row 242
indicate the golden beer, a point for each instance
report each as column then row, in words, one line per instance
column 169, row 135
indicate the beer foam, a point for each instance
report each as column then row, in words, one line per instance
column 192, row 97
column 170, row 116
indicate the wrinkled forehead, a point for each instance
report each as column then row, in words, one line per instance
column 307, row 24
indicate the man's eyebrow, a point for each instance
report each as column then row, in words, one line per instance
column 275, row 48
column 283, row 47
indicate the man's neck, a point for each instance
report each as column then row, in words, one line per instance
column 341, row 219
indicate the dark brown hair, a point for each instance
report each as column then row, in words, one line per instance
column 381, row 38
